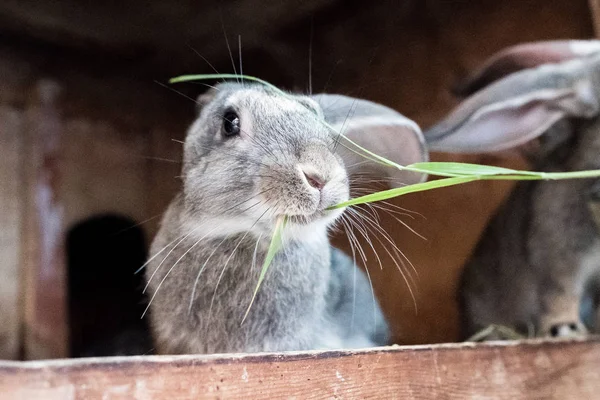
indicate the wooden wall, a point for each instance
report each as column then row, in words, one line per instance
column 63, row 161
column 10, row 234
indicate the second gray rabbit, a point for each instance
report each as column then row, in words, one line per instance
column 537, row 267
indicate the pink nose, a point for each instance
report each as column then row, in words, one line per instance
column 314, row 181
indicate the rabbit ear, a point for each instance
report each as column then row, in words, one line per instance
column 205, row 98
column 378, row 129
column 213, row 91
column 520, row 107
column 524, row 56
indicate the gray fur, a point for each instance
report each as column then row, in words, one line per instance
column 537, row 267
column 313, row 296
column 538, row 263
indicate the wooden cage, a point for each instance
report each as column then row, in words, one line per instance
column 89, row 133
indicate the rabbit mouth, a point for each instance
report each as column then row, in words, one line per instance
column 302, row 219
column 326, row 216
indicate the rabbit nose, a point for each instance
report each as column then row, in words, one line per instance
column 567, row 329
column 314, row 181
column 312, row 177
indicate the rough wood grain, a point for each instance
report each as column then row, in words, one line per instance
column 595, row 11
column 104, row 170
column 11, row 147
column 43, row 237
column 549, row 370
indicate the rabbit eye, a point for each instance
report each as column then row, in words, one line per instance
column 231, row 123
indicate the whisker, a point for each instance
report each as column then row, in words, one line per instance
column 240, row 57
column 364, row 233
column 136, row 225
column 403, row 209
column 167, row 256
column 310, row 85
column 162, row 159
column 206, row 85
column 227, row 262
column 157, row 254
column 176, row 91
column 193, row 295
column 366, row 271
column 355, row 271
column 172, row 268
column 228, row 47
column 203, row 58
column 252, row 206
column 248, row 199
column 394, row 260
column 391, row 212
column 398, row 252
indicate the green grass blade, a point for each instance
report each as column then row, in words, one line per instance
column 274, row 247
column 506, row 174
column 491, row 172
column 466, row 169
column 592, row 173
column 419, row 187
column 204, row 77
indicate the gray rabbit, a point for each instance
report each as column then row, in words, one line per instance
column 252, row 155
column 536, row 270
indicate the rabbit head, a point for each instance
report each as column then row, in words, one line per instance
column 251, row 142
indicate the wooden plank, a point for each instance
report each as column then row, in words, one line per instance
column 164, row 171
column 595, row 11
column 104, row 170
column 11, row 141
column 43, row 238
column 502, row 370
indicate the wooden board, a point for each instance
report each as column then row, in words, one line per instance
column 595, row 10
column 11, row 140
column 533, row 369
column 43, row 267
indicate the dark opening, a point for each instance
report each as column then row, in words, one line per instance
column 105, row 294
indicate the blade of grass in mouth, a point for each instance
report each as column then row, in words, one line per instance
column 274, row 247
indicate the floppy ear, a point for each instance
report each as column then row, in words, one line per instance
column 213, row 91
column 524, row 56
column 521, row 106
column 206, row 97
column 378, row 129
